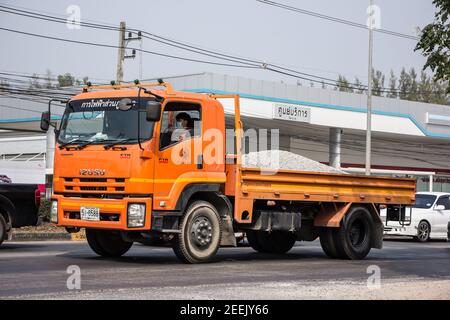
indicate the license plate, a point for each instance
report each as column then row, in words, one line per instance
column 90, row 213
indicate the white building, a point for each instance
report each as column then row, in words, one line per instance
column 409, row 138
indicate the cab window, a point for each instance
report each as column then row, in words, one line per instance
column 180, row 122
column 444, row 201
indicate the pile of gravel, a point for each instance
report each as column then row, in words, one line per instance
column 284, row 160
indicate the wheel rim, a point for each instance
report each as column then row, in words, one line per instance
column 201, row 232
column 423, row 231
column 357, row 233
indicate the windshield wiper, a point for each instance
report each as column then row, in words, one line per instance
column 77, row 140
column 86, row 143
column 112, row 144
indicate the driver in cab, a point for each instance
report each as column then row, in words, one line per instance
column 185, row 128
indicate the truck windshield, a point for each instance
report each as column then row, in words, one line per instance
column 424, row 201
column 100, row 121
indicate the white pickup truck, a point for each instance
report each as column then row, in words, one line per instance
column 427, row 219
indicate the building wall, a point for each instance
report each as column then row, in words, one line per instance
column 23, row 159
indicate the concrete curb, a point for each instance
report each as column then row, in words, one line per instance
column 39, row 236
column 43, row 236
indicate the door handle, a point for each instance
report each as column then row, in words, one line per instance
column 200, row 161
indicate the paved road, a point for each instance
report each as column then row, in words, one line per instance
column 408, row 270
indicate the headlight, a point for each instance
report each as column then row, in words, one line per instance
column 136, row 215
column 54, row 212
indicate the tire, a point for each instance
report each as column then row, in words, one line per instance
column 328, row 242
column 423, row 232
column 277, row 242
column 108, row 244
column 200, row 233
column 3, row 232
column 353, row 237
column 253, row 241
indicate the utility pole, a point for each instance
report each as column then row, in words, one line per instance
column 123, row 42
column 121, row 53
column 334, row 148
column 369, row 95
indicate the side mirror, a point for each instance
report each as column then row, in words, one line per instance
column 45, row 121
column 153, row 111
column 439, row 207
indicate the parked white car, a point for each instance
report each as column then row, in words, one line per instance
column 429, row 218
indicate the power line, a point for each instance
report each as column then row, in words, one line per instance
column 147, row 35
column 182, row 58
column 338, row 20
column 250, row 62
column 184, row 46
column 113, row 46
column 246, row 62
column 35, row 90
column 24, row 98
column 28, row 85
column 23, row 109
column 42, row 76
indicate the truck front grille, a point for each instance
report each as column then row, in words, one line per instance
column 94, row 185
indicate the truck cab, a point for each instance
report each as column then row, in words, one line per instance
column 116, row 168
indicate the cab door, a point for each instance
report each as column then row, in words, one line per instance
column 441, row 217
column 178, row 153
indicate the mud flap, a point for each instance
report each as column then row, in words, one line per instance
column 9, row 231
column 377, row 235
column 228, row 239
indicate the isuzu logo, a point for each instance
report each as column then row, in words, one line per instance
column 92, row 172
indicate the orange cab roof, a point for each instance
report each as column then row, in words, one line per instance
column 96, row 92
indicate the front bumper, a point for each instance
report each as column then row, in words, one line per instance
column 399, row 231
column 113, row 212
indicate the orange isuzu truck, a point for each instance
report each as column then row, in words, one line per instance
column 123, row 173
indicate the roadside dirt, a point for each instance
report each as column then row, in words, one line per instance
column 43, row 228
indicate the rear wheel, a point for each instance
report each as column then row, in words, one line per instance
column 353, row 237
column 328, row 242
column 271, row 242
column 252, row 238
column 200, row 233
column 423, row 231
column 2, row 229
column 107, row 243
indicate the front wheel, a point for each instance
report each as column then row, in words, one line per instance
column 106, row 243
column 200, row 233
column 3, row 231
column 423, row 232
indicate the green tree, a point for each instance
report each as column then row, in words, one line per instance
column 425, row 88
column 412, row 94
column 359, row 87
column 343, row 85
column 4, row 85
column 34, row 81
column 48, row 84
column 439, row 93
column 66, row 80
column 392, row 93
column 404, row 84
column 435, row 43
column 377, row 83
